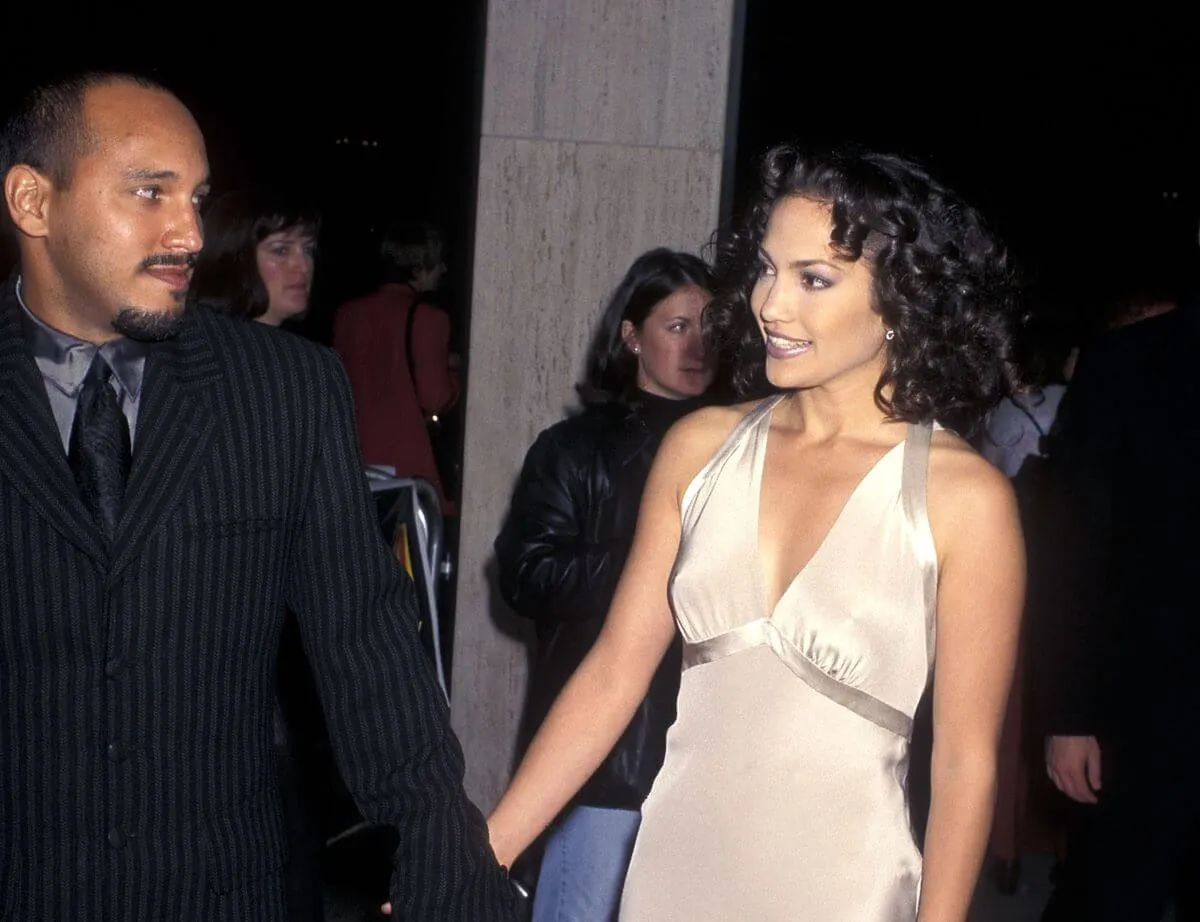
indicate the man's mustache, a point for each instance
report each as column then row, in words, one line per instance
column 174, row 260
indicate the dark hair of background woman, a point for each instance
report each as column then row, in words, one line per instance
column 406, row 249
column 942, row 280
column 226, row 275
column 655, row 275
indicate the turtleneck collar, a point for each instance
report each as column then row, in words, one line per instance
column 660, row 413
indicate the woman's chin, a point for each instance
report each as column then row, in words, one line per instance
column 786, row 379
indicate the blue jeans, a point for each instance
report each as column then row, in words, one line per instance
column 583, row 869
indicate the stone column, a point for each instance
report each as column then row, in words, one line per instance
column 603, row 135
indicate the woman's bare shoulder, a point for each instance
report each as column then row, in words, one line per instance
column 691, row 443
column 955, row 464
column 966, row 491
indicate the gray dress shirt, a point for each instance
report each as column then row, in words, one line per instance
column 64, row 360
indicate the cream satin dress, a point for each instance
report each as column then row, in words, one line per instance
column 783, row 795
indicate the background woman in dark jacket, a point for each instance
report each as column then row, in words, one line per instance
column 564, row 543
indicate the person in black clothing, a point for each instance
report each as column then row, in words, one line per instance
column 564, row 543
column 172, row 481
column 1119, row 697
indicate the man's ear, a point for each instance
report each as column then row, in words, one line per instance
column 27, row 198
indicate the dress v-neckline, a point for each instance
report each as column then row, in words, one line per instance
column 759, row 470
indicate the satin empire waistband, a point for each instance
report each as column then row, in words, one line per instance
column 763, row 632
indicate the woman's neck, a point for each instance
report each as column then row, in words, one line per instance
column 842, row 408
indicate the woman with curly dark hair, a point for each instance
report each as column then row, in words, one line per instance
column 818, row 550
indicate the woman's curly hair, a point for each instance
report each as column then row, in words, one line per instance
column 942, row 281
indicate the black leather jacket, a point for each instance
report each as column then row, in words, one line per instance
column 560, row 554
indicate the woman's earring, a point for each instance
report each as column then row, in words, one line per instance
column 889, row 335
column 635, row 348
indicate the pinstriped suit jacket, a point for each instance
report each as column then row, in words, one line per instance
column 137, row 780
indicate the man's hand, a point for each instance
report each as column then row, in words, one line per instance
column 1073, row 763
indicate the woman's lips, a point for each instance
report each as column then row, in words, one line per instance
column 782, row 347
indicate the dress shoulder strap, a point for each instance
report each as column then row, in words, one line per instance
column 914, row 494
column 706, row 477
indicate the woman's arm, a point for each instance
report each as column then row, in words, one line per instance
column 597, row 703
column 981, row 593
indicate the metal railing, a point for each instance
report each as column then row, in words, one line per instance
column 426, row 513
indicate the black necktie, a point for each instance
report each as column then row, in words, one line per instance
column 99, row 451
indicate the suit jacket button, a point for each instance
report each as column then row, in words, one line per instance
column 116, row 752
column 112, row 667
column 116, row 838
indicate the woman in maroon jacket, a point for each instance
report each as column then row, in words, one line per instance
column 396, row 349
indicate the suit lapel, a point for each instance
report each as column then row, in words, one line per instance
column 31, row 452
column 175, row 426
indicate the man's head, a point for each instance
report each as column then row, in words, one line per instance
column 103, row 178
